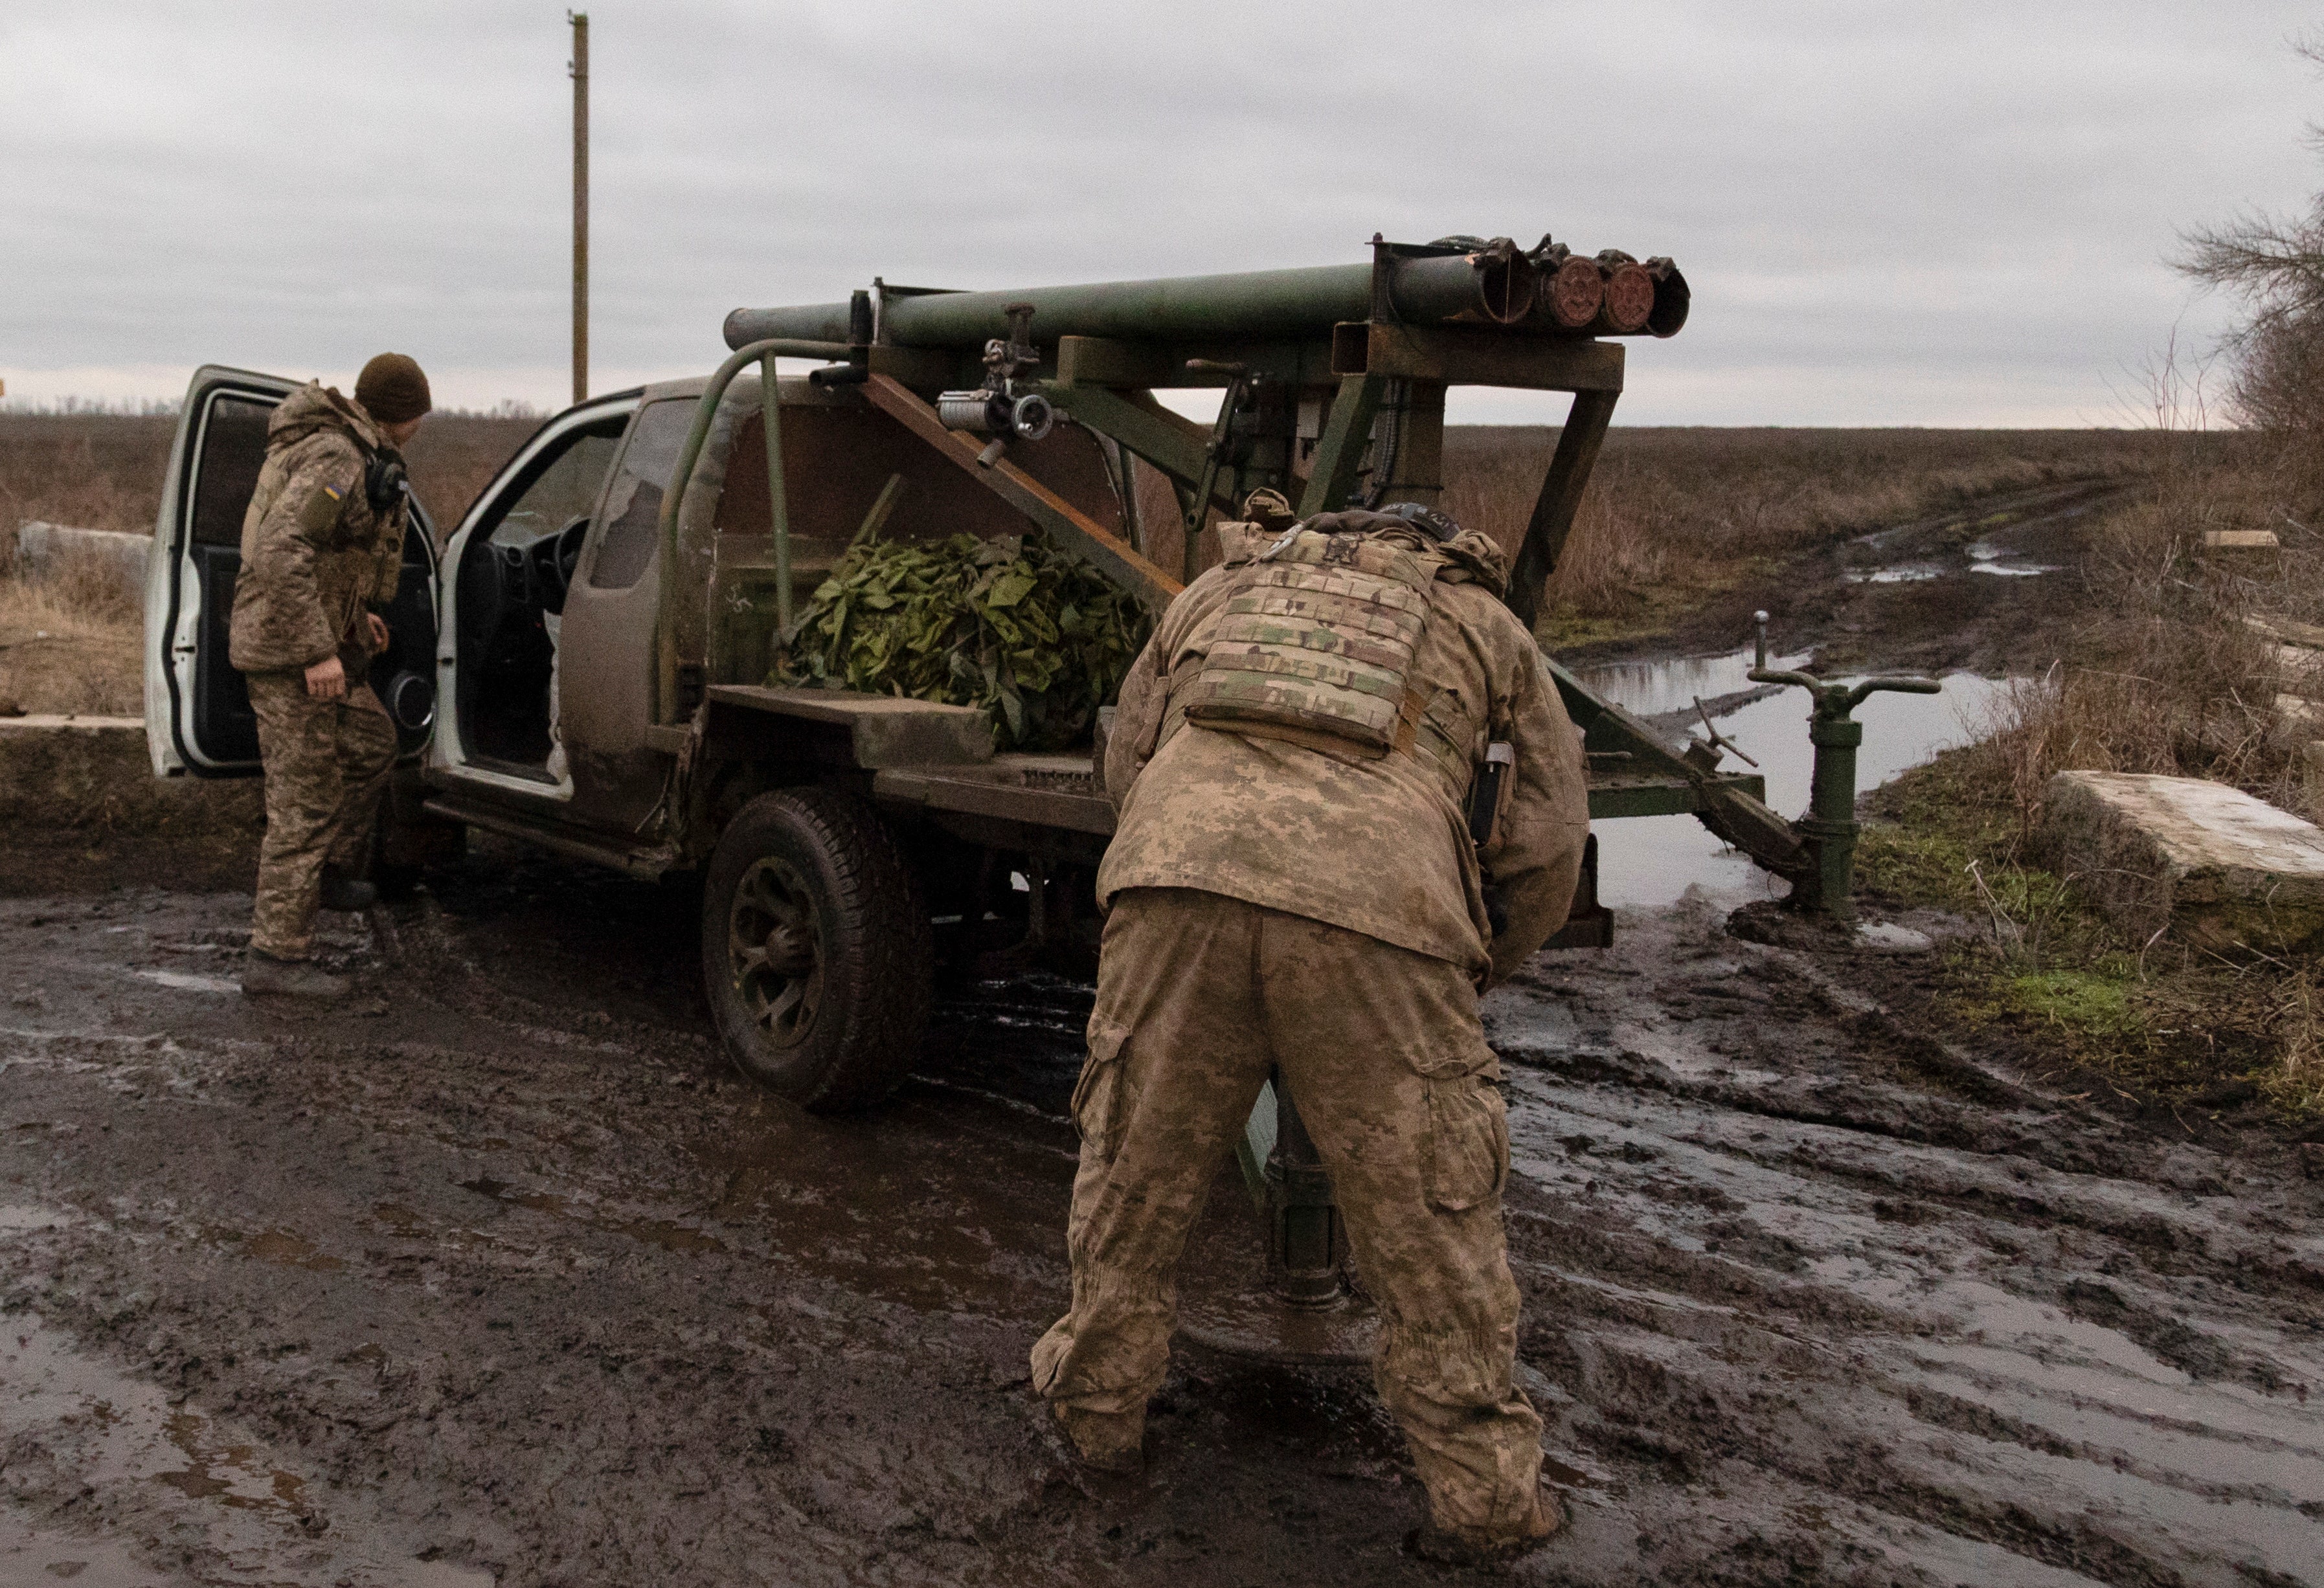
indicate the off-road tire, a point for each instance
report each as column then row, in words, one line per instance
column 827, row 858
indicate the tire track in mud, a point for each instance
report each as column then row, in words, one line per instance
column 522, row 1278
column 2047, row 1334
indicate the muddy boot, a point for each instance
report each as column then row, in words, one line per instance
column 342, row 891
column 1464, row 1546
column 297, row 978
column 1105, row 1442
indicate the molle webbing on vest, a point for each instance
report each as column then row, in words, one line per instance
column 1317, row 642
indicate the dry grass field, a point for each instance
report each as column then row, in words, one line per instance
column 69, row 642
column 2168, row 671
column 1672, row 515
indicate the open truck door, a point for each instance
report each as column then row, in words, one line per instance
column 197, row 715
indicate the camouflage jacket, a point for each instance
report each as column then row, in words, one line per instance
column 1379, row 846
column 314, row 553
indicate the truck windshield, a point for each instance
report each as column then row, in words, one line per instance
column 566, row 489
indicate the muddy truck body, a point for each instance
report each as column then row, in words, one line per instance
column 582, row 661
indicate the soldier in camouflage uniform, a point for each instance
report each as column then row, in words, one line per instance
column 322, row 551
column 1290, row 899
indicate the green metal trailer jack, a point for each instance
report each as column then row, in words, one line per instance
column 1829, row 831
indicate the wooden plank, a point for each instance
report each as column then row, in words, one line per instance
column 1560, row 500
column 964, row 790
column 886, row 730
column 1464, row 357
column 1340, row 451
column 1074, row 529
column 2289, row 630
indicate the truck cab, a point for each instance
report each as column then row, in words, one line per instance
column 520, row 677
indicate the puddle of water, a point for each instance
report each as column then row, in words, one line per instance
column 1651, row 689
column 170, row 1472
column 15, row 1218
column 1650, row 861
column 666, row 1234
column 1984, row 556
column 29, row 1554
column 1902, row 574
column 184, row 982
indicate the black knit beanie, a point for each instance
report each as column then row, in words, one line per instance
column 391, row 389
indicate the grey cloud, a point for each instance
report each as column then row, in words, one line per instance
column 1907, row 203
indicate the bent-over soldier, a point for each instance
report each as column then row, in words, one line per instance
column 322, row 552
column 1295, row 883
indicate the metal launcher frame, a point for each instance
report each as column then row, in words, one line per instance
column 1333, row 383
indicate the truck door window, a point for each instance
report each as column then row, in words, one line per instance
column 233, row 450
column 633, row 505
column 561, row 490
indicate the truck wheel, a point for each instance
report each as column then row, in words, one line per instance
column 817, row 951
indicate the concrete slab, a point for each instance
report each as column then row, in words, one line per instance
column 2289, row 631
column 41, row 547
column 2206, row 864
column 2298, row 671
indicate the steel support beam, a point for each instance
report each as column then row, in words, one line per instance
column 1340, row 452
column 1560, row 500
column 1056, row 516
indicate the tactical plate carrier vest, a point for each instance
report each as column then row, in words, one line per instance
column 1316, row 643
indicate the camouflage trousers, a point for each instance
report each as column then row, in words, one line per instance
column 1198, row 995
column 327, row 765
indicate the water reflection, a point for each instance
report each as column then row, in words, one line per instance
column 1651, row 861
column 1651, row 689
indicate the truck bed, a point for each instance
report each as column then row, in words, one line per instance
column 1064, row 791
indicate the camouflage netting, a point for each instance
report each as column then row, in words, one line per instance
column 1035, row 637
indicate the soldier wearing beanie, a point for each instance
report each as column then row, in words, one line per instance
column 322, row 553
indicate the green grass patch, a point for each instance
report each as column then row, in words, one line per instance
column 2090, row 1003
column 2054, row 972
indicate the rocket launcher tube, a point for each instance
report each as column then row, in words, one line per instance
column 1272, row 305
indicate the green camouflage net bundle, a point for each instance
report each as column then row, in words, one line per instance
column 1035, row 637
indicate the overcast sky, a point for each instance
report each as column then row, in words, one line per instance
column 1891, row 213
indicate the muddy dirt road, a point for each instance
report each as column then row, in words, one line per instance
column 1986, row 585
column 498, row 1274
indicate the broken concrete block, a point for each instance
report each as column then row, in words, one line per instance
column 2207, row 864
column 2239, row 541
column 42, row 547
column 2297, row 670
column 2299, row 717
column 2288, row 631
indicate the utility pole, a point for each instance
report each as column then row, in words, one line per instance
column 580, row 70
